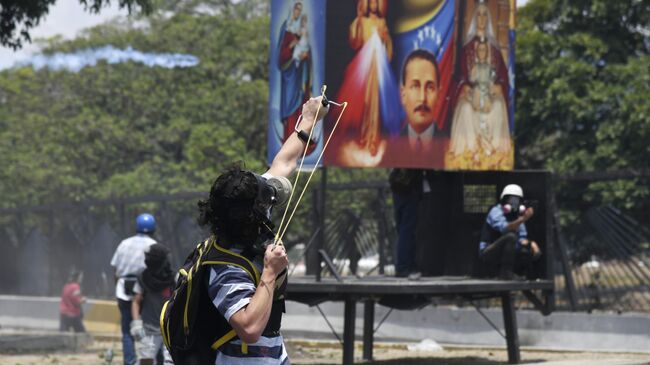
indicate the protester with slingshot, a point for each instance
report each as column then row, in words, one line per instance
column 246, row 282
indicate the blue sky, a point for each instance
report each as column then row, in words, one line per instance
column 67, row 18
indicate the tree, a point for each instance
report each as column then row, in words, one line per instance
column 136, row 129
column 583, row 77
column 17, row 18
column 120, row 130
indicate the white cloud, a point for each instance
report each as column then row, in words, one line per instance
column 89, row 57
column 66, row 18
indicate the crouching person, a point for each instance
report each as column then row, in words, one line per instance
column 504, row 239
column 153, row 288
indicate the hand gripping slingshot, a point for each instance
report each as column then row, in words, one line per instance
column 325, row 103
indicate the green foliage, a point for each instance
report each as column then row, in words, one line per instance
column 125, row 129
column 583, row 75
column 583, row 78
column 17, row 18
column 120, row 130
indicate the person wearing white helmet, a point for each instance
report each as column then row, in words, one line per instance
column 504, row 238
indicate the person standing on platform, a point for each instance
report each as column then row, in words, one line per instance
column 71, row 313
column 407, row 186
column 128, row 262
column 504, row 238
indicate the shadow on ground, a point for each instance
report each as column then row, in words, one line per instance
column 460, row 360
column 469, row 360
column 437, row 361
column 445, row 361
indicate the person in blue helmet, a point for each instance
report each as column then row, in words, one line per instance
column 128, row 262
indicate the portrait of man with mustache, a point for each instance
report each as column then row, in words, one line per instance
column 418, row 94
column 419, row 89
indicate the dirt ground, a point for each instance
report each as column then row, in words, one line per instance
column 308, row 352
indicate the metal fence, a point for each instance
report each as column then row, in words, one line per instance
column 40, row 245
column 616, row 277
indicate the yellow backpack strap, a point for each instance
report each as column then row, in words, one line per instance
column 186, row 323
column 203, row 249
column 225, row 338
column 164, row 329
column 244, row 348
column 255, row 274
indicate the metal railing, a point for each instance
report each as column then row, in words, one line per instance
column 40, row 245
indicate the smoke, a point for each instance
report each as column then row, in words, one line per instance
column 89, row 57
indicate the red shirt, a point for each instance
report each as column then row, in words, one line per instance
column 71, row 300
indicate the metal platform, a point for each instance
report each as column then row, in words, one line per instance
column 402, row 293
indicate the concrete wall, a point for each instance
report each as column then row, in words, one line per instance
column 43, row 313
column 465, row 326
column 450, row 325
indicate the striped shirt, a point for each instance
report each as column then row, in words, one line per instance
column 231, row 289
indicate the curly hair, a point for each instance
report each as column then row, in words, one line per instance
column 228, row 211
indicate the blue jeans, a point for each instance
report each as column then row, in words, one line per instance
column 128, row 346
column 405, row 207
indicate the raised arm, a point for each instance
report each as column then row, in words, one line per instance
column 286, row 160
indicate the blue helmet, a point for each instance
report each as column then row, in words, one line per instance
column 145, row 223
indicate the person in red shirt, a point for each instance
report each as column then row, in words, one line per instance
column 70, row 307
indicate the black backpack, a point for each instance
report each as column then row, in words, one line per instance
column 190, row 340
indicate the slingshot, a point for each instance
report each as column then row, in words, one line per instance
column 282, row 228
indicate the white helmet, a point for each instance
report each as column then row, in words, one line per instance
column 512, row 189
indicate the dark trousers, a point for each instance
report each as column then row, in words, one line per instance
column 71, row 322
column 128, row 345
column 501, row 253
column 405, row 208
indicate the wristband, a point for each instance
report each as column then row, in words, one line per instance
column 304, row 136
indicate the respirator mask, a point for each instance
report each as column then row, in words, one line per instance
column 271, row 192
column 274, row 191
column 513, row 206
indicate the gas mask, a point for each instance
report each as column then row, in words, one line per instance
column 271, row 192
column 513, row 206
column 274, row 191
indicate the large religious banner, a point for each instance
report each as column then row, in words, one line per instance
column 429, row 83
column 297, row 69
